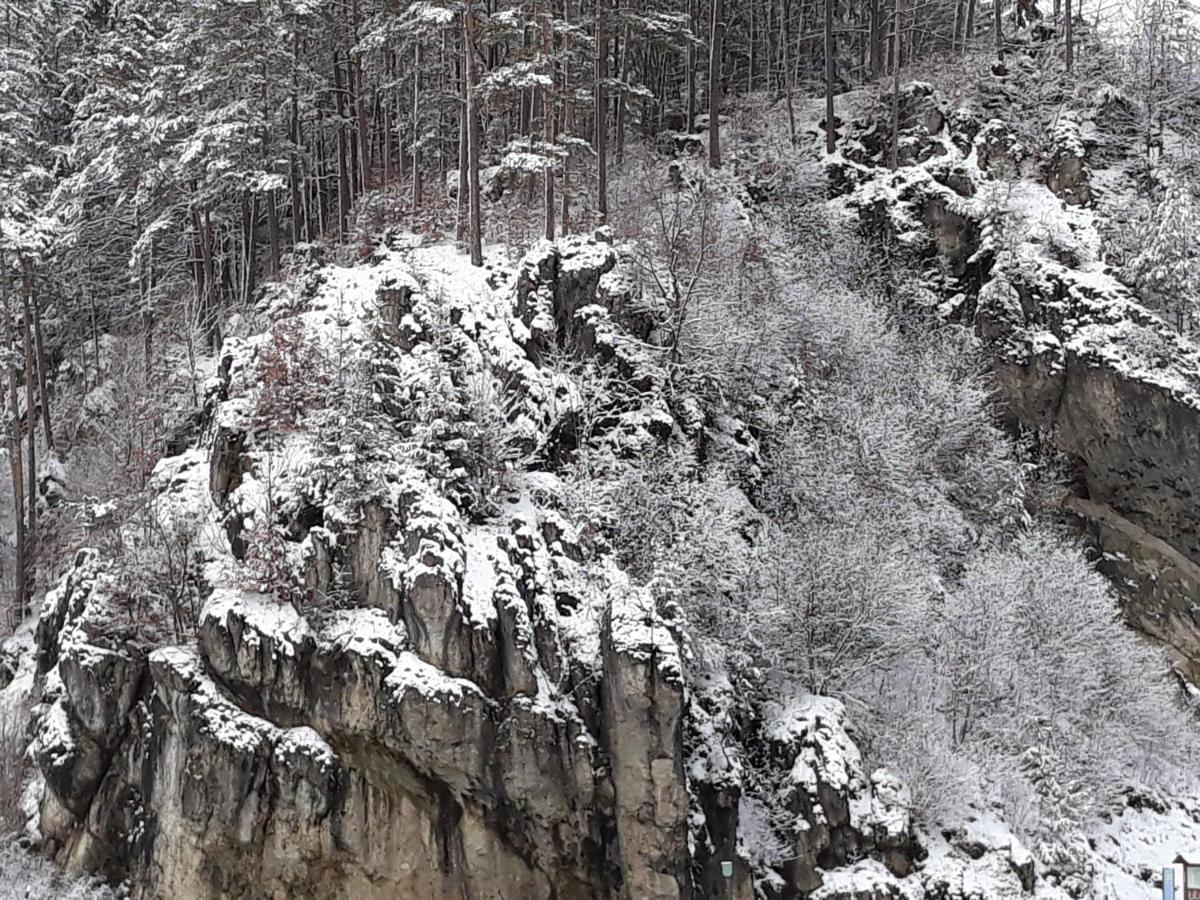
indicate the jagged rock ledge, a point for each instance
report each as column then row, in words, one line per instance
column 1076, row 358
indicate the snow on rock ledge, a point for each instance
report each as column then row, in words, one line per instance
column 457, row 726
column 1075, row 355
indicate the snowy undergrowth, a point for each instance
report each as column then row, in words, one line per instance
column 25, row 875
column 888, row 555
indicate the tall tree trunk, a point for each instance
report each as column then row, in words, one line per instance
column 319, row 192
column 969, row 32
column 566, row 125
column 1070, row 36
column 787, row 70
column 294, row 155
column 344, row 196
column 31, row 533
column 715, row 56
column 416, row 147
column 198, row 268
column 601, row 113
column 564, row 227
column 999, row 29
column 548, row 125
column 830, row 75
column 388, row 123
column 41, row 356
column 464, row 188
column 621, row 102
column 249, row 244
column 473, row 149
column 875, row 37
column 691, row 63
column 360, row 109
column 896, row 62
column 21, row 592
column 208, row 309
column 273, row 234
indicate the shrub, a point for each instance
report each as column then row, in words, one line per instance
column 25, row 876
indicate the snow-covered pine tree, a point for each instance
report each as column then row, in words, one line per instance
column 1167, row 268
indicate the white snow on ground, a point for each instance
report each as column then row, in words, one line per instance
column 1133, row 848
column 15, row 695
column 483, row 554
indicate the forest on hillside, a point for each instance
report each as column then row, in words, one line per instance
column 668, row 275
column 162, row 160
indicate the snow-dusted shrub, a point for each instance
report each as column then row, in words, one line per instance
column 1166, row 265
column 26, row 876
column 492, row 449
column 1030, row 648
column 292, row 378
column 13, row 770
column 461, row 416
column 158, row 582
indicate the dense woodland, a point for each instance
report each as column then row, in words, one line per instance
column 160, row 161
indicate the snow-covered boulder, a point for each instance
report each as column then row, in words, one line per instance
column 841, row 815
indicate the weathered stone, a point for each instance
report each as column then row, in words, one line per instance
column 643, row 708
column 227, row 464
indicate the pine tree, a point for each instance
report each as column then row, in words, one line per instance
column 1167, row 269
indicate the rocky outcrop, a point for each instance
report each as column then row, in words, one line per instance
column 841, row 814
column 1075, row 357
column 279, row 759
column 1118, row 392
column 643, row 713
column 397, row 689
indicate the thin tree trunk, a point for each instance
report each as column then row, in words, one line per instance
column 31, row 534
column 416, row 147
column 716, row 53
column 15, row 453
column 388, row 125
column 621, row 102
column 41, row 357
column 787, row 71
column 1070, row 36
column 273, row 234
column 320, row 194
column 548, row 125
column 565, row 219
column 875, row 37
column 566, row 124
column 895, row 155
column 360, row 110
column 601, row 113
column 464, row 189
column 999, row 29
column 252, row 251
column 294, row 156
column 344, row 197
column 830, row 75
column 691, row 63
column 473, row 149
column 209, row 308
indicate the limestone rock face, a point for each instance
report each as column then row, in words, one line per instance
column 1075, row 356
column 842, row 814
column 1121, row 394
column 643, row 712
column 1066, row 170
column 396, row 687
